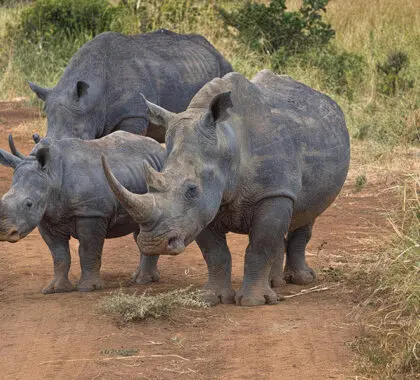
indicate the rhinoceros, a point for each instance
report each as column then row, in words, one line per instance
column 61, row 189
column 263, row 157
column 100, row 90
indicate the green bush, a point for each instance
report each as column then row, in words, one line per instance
column 54, row 19
column 391, row 77
column 271, row 29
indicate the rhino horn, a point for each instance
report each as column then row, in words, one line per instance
column 13, row 149
column 154, row 179
column 140, row 207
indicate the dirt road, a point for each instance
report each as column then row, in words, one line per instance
column 64, row 336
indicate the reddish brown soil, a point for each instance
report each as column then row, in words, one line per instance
column 64, row 336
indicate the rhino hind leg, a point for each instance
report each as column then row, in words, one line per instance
column 213, row 246
column 91, row 235
column 266, row 247
column 297, row 270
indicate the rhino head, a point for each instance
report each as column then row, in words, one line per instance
column 185, row 197
column 23, row 206
column 74, row 109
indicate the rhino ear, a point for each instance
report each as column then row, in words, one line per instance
column 40, row 92
column 219, row 106
column 43, row 156
column 8, row 159
column 157, row 115
column 81, row 89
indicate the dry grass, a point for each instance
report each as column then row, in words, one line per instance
column 389, row 291
column 132, row 307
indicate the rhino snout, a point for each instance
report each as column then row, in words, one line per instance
column 12, row 235
column 171, row 244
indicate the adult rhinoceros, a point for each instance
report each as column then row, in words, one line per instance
column 100, row 90
column 263, row 157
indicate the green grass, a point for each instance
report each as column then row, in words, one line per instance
column 369, row 30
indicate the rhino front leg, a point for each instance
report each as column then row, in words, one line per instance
column 213, row 246
column 296, row 270
column 266, row 241
column 91, row 234
column 60, row 251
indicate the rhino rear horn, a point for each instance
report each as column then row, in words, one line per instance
column 142, row 208
column 13, row 149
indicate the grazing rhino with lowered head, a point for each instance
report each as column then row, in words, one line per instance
column 263, row 157
column 61, row 189
column 100, row 90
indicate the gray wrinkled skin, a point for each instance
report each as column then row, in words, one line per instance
column 262, row 157
column 101, row 88
column 61, row 189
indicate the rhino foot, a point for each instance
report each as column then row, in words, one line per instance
column 142, row 277
column 256, row 296
column 89, row 284
column 277, row 281
column 58, row 285
column 214, row 295
column 300, row 277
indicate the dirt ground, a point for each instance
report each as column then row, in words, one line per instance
column 64, row 336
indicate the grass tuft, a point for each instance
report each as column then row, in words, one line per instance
column 132, row 307
column 389, row 287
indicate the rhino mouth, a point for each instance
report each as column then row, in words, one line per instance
column 172, row 244
column 12, row 236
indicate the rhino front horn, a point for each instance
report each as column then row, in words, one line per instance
column 142, row 208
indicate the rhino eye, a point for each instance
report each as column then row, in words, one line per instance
column 29, row 203
column 192, row 191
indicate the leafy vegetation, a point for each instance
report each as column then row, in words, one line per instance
column 364, row 56
column 271, row 29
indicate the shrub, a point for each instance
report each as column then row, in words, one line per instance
column 390, row 73
column 55, row 19
column 340, row 72
column 270, row 29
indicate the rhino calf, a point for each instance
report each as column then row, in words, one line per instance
column 264, row 158
column 61, row 189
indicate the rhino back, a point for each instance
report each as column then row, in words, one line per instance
column 84, row 190
column 294, row 140
column 166, row 67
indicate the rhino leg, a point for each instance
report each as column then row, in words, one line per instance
column 276, row 274
column 296, row 270
column 266, row 241
column 213, row 246
column 60, row 251
column 147, row 270
column 91, row 234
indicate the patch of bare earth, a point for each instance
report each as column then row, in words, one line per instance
column 305, row 337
